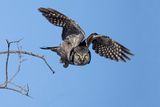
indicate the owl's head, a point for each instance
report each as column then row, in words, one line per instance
column 81, row 55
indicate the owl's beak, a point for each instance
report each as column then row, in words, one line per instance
column 82, row 61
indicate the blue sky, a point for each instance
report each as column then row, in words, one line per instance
column 102, row 83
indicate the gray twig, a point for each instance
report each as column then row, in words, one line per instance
column 19, row 89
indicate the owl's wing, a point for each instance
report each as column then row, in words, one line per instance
column 59, row 19
column 105, row 46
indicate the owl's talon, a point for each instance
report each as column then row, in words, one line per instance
column 65, row 65
column 62, row 60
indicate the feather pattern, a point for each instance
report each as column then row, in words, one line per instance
column 74, row 49
column 106, row 47
column 61, row 20
column 55, row 17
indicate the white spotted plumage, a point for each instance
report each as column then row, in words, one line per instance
column 74, row 44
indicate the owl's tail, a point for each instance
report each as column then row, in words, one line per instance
column 55, row 49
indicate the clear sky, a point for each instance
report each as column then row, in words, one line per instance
column 102, row 83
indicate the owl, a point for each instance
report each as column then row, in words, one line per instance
column 74, row 48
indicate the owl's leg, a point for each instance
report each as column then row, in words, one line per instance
column 61, row 60
column 65, row 63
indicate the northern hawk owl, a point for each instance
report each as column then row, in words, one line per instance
column 74, row 48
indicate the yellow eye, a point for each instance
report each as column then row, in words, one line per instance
column 86, row 56
column 78, row 56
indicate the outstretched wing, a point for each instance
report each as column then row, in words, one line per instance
column 59, row 19
column 105, row 46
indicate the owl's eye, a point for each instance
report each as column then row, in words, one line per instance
column 78, row 56
column 86, row 57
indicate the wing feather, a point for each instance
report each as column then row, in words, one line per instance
column 61, row 20
column 106, row 47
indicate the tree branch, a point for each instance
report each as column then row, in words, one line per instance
column 19, row 52
column 30, row 54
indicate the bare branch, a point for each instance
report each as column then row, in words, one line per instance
column 19, row 52
column 30, row 54
column 7, row 60
column 19, row 65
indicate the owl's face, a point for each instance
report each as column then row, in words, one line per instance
column 81, row 55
